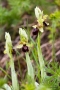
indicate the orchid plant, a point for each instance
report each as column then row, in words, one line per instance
column 8, row 51
column 41, row 18
column 25, row 45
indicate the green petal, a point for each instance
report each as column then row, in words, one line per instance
column 29, row 44
column 41, row 30
column 23, row 35
column 19, row 46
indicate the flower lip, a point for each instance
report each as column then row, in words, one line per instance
column 35, row 31
column 25, row 48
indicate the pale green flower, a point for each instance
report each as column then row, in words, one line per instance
column 23, row 39
column 38, row 13
column 23, row 35
column 8, row 44
column 41, row 29
column 40, row 19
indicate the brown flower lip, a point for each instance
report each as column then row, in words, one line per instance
column 25, row 48
column 35, row 31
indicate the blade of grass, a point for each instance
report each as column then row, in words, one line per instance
column 29, row 66
column 14, row 76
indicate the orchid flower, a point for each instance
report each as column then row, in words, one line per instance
column 40, row 19
column 24, row 44
column 8, row 44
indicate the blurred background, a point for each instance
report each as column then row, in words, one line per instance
column 20, row 13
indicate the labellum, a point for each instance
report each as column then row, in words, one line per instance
column 35, row 31
column 25, row 48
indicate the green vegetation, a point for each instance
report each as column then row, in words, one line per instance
column 11, row 13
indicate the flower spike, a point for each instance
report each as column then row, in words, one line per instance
column 8, row 44
column 40, row 19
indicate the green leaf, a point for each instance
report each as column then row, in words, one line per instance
column 6, row 87
column 2, row 81
column 29, row 67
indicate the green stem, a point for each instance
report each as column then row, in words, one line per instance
column 41, row 61
column 53, row 48
column 5, row 72
column 53, row 39
column 29, row 66
column 37, row 64
column 13, row 74
column 19, row 64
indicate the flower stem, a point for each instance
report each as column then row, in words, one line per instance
column 40, row 57
column 13, row 74
column 53, row 40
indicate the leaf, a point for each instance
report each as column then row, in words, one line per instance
column 6, row 87
column 2, row 82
